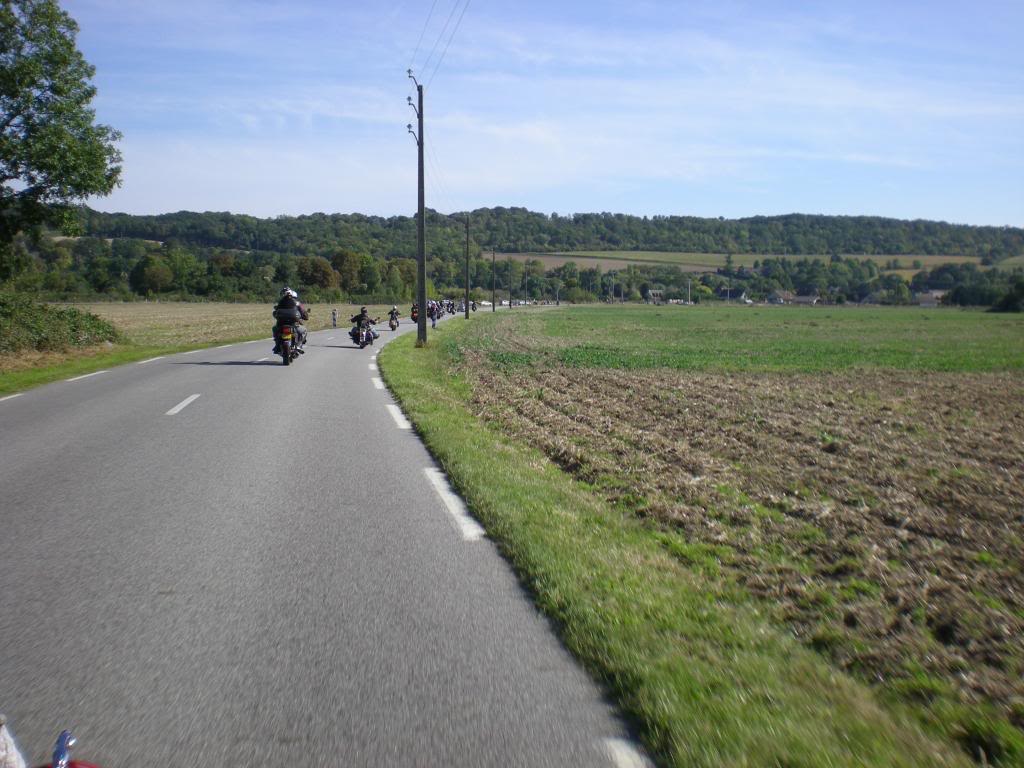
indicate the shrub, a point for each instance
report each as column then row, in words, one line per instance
column 25, row 324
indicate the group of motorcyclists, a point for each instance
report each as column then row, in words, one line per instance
column 290, row 312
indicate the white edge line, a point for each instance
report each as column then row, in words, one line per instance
column 11, row 397
column 224, row 346
column 398, row 416
column 372, row 366
column 181, row 406
column 192, row 352
column 85, row 376
column 378, row 383
column 470, row 528
column 625, row 754
column 143, row 362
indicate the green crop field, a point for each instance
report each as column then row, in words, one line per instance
column 777, row 535
column 760, row 338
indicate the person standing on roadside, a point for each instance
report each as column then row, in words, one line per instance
column 432, row 314
column 334, row 318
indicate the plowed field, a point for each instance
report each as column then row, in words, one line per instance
column 876, row 511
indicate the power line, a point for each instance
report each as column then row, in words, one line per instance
column 440, row 37
column 450, row 38
column 422, row 33
column 440, row 180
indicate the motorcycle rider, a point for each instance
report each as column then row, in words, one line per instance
column 362, row 320
column 289, row 311
column 393, row 315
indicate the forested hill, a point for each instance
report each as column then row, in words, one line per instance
column 518, row 230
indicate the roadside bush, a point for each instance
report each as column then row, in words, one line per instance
column 25, row 324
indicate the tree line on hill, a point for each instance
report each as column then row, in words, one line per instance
column 209, row 256
column 521, row 230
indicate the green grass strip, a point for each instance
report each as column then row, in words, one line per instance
column 706, row 679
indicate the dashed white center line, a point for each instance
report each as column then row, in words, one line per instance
column 470, row 529
column 85, row 376
column 182, row 405
column 625, row 755
column 378, row 383
column 398, row 416
column 11, row 397
column 330, row 338
column 372, row 366
column 143, row 362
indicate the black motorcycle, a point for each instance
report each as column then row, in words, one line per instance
column 363, row 335
column 290, row 343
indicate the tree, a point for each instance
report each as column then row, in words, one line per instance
column 317, row 271
column 151, row 275
column 369, row 274
column 52, row 153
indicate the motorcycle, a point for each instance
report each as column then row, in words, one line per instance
column 290, row 340
column 289, row 344
column 415, row 315
column 363, row 335
column 393, row 323
column 9, row 755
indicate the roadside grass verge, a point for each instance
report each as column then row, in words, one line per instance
column 702, row 673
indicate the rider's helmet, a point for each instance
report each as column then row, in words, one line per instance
column 395, row 306
column 363, row 310
column 286, row 291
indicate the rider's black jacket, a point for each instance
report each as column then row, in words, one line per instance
column 288, row 310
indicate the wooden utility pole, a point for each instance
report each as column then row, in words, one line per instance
column 467, row 266
column 493, row 294
column 421, row 259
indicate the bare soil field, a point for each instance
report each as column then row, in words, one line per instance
column 877, row 514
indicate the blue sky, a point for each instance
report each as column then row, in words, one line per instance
column 903, row 109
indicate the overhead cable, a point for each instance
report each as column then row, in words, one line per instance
column 440, row 37
column 450, row 38
column 412, row 58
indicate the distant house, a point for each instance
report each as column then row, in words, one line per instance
column 731, row 294
column 781, row 297
column 930, row 299
column 808, row 301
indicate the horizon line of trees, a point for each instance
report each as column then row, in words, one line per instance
column 129, row 269
column 520, row 230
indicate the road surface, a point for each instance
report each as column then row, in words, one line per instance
column 213, row 559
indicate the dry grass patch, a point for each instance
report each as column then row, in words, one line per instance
column 186, row 323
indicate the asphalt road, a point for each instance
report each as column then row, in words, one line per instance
column 213, row 559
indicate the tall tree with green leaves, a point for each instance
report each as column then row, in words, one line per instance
column 53, row 154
